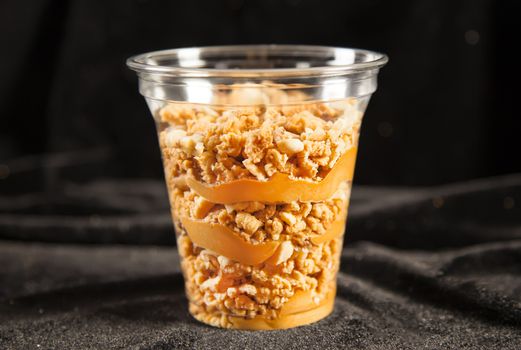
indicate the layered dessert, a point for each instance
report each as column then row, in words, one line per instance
column 259, row 185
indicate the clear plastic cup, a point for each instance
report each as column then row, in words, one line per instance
column 259, row 146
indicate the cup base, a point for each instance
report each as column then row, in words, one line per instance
column 261, row 323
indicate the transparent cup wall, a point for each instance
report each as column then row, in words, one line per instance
column 259, row 177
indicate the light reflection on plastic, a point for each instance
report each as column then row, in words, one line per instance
column 302, row 65
column 158, row 92
column 334, row 89
column 189, row 58
column 199, row 91
column 342, row 57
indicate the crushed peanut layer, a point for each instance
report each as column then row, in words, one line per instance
column 257, row 222
column 251, row 143
column 224, row 287
column 269, row 133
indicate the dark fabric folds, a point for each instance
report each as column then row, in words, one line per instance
column 434, row 268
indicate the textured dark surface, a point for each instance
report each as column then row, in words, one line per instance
column 436, row 268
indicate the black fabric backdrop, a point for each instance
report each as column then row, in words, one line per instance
column 433, row 268
column 87, row 255
column 446, row 109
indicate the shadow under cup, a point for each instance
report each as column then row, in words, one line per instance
column 259, row 147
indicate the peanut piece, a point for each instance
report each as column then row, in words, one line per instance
column 211, row 283
column 283, row 253
column 248, row 289
column 193, row 144
column 172, row 136
column 188, row 144
column 247, row 222
column 199, row 148
column 223, row 261
column 201, row 207
column 254, row 169
column 288, row 218
column 290, row 146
